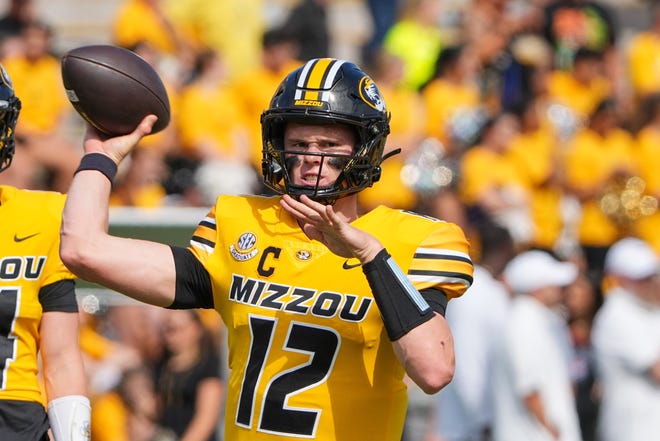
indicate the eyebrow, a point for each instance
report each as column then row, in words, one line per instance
column 321, row 140
column 317, row 138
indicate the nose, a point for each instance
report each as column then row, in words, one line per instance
column 311, row 154
column 313, row 147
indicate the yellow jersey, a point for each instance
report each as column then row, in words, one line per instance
column 255, row 88
column 212, row 117
column 29, row 240
column 38, row 83
column 536, row 154
column 308, row 351
column 581, row 98
column 445, row 102
column 643, row 69
column 591, row 162
column 136, row 21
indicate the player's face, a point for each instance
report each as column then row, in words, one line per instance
column 321, row 151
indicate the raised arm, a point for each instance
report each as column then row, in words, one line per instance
column 140, row 269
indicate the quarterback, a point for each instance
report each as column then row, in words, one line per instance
column 38, row 309
column 326, row 308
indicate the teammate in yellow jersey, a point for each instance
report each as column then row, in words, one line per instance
column 326, row 308
column 38, row 309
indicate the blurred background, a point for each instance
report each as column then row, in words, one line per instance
column 537, row 117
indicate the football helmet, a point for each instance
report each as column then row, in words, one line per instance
column 326, row 91
column 10, row 106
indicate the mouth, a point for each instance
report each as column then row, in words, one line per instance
column 311, row 180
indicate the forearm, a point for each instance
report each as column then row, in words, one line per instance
column 421, row 338
column 85, row 217
column 207, row 413
column 534, row 405
column 140, row 269
column 64, row 377
column 427, row 354
column 63, row 369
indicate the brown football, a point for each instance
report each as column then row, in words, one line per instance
column 114, row 88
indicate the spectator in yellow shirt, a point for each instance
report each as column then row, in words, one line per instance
column 214, row 131
column 647, row 227
column 643, row 58
column 452, row 98
column 148, row 20
column 583, row 87
column 491, row 185
column 596, row 162
column 231, row 27
column 406, row 132
column 48, row 155
column 535, row 150
column 279, row 56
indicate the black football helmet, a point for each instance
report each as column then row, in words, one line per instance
column 10, row 106
column 326, row 91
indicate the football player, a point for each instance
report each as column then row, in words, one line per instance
column 38, row 309
column 326, row 308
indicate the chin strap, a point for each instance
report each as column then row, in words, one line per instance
column 396, row 151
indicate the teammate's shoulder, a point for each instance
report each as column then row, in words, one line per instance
column 20, row 195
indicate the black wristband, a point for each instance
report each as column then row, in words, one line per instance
column 401, row 306
column 98, row 162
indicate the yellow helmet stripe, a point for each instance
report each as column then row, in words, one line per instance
column 317, row 75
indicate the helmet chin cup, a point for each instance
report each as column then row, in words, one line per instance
column 376, row 172
column 327, row 91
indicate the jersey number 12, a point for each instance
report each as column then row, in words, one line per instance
column 322, row 345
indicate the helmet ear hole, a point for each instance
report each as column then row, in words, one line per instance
column 272, row 170
column 275, row 168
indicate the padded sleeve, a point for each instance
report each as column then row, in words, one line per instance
column 59, row 296
column 193, row 282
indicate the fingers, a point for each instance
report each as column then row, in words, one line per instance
column 308, row 211
column 117, row 147
column 290, row 205
column 301, row 210
column 146, row 125
column 143, row 129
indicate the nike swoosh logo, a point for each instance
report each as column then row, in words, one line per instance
column 347, row 265
column 21, row 239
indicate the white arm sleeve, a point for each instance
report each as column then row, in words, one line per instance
column 69, row 418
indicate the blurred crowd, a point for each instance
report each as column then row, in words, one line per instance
column 532, row 124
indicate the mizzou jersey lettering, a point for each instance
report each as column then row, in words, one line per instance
column 29, row 240
column 308, row 352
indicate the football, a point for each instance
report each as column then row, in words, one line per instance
column 113, row 88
